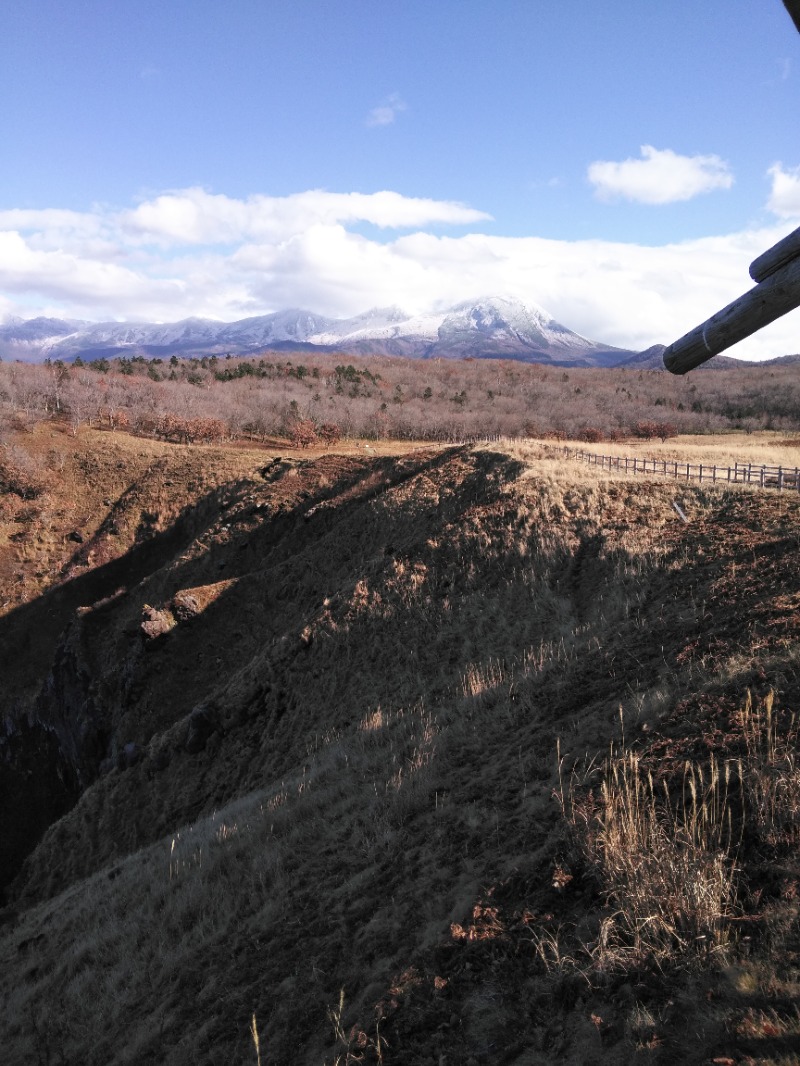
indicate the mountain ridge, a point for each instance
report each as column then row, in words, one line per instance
column 493, row 327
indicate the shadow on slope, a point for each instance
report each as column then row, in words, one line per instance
column 381, row 760
column 253, row 574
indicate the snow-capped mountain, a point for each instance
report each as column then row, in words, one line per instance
column 27, row 338
column 495, row 327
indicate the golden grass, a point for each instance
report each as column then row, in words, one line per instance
column 772, row 769
column 667, row 854
column 667, row 866
column 765, row 448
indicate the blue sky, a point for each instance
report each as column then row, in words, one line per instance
column 618, row 163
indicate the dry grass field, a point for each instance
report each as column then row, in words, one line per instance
column 396, row 754
column 762, row 448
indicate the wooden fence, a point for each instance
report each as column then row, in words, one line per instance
column 765, row 477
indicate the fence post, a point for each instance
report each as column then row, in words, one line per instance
column 766, row 476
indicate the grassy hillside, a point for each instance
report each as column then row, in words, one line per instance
column 456, row 755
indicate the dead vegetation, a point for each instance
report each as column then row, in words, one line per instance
column 463, row 754
column 316, row 399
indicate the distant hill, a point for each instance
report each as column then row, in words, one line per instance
column 653, row 359
column 494, row 327
column 782, row 360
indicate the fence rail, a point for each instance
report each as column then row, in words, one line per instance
column 765, row 477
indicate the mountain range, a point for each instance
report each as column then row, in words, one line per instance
column 495, row 327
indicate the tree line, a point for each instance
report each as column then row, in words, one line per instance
column 309, row 398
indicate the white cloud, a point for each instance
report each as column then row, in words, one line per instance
column 87, row 287
column 194, row 216
column 659, row 177
column 784, row 199
column 53, row 228
column 386, row 113
column 192, row 253
column 48, row 218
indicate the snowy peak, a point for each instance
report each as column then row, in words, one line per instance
column 38, row 329
column 491, row 312
column 293, row 326
column 494, row 327
column 497, row 326
column 496, row 315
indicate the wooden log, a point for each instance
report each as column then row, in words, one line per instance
column 777, row 256
column 775, row 296
column 793, row 7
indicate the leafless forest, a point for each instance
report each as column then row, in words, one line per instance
column 305, row 398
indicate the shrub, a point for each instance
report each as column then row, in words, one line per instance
column 665, row 430
column 645, row 430
column 592, row 435
column 302, row 433
column 330, row 433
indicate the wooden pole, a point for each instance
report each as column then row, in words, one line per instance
column 778, row 294
column 774, row 258
column 793, row 7
column 777, row 272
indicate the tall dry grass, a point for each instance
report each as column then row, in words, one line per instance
column 771, row 770
column 668, row 855
column 666, row 864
